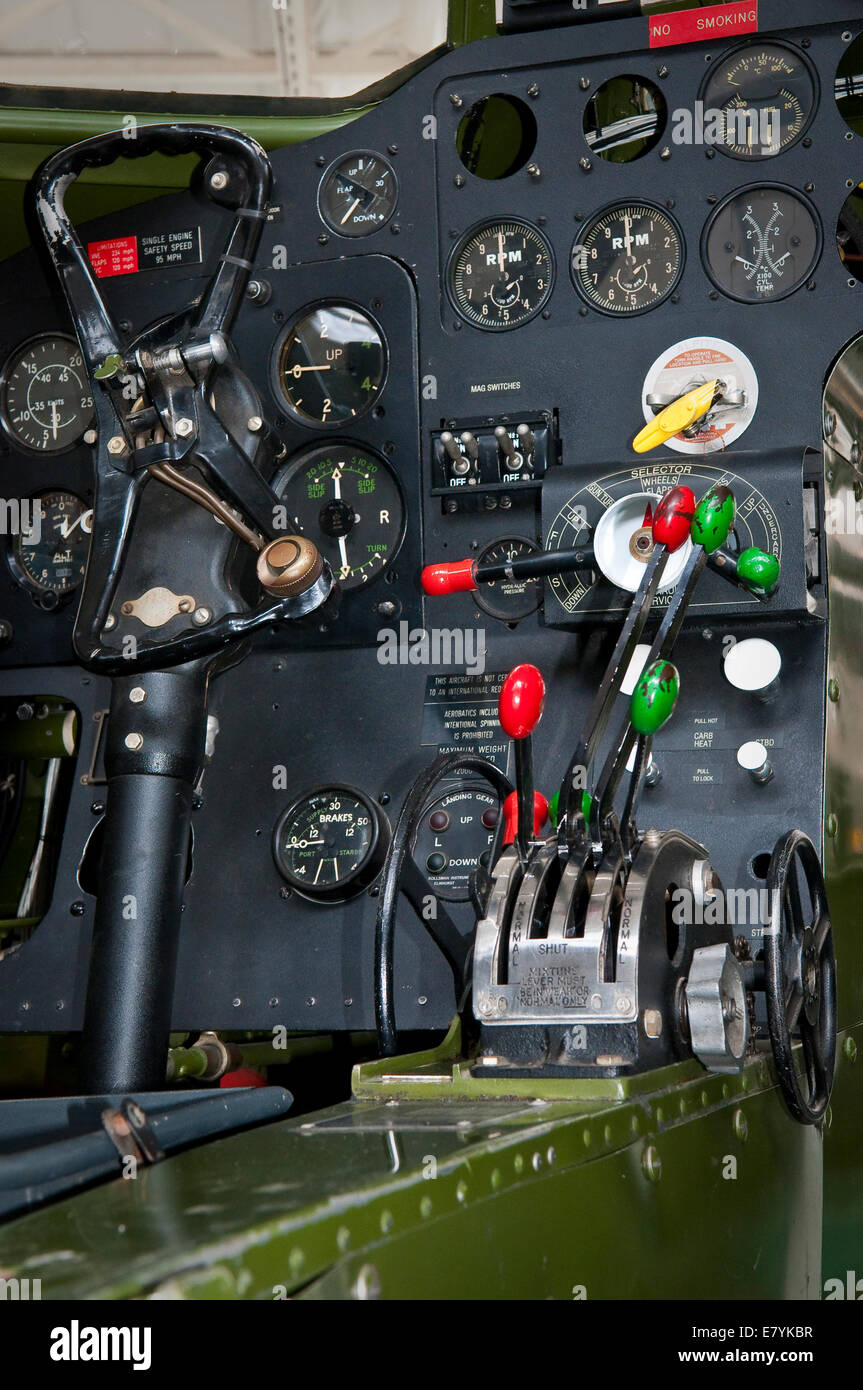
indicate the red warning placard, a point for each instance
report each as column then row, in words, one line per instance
column 711, row 22
column 116, row 257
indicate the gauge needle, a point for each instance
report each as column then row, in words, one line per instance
column 343, row 551
column 351, row 210
column 627, row 234
column 501, row 259
column 313, row 367
column 67, row 526
column 54, row 418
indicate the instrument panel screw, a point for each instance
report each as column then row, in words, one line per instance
column 97, row 808
column 116, row 445
column 392, row 149
column 662, row 72
column 455, row 100
column 584, row 83
column 255, row 424
column 138, row 695
column 284, row 894
column 201, row 616
column 533, row 89
column 584, row 164
column 77, row 909
column 665, row 152
column 534, row 170
column 833, row 691
column 651, row 1164
column 459, row 181
column 134, row 742
column 90, row 436
column 219, row 180
column 321, row 161
column 110, row 622
column 829, row 424
column 183, row 428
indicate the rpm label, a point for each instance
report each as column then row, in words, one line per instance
column 691, row 363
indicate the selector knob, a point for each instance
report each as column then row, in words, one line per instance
column 753, row 665
column 510, row 816
column 289, row 566
column 672, row 520
column 714, row 518
column 758, row 570
column 521, row 701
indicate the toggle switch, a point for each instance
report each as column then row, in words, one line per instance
column 528, row 443
column 459, row 463
column 753, row 665
column 471, row 446
column 507, row 448
column 752, row 757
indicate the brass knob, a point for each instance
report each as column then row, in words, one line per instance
column 289, row 566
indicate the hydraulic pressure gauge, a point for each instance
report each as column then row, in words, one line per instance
column 510, row 600
column 627, row 258
column 765, row 95
column 761, row 243
column 49, row 555
column 331, row 364
column 331, row 844
column 501, row 274
column 345, row 498
column 46, row 400
column 357, row 194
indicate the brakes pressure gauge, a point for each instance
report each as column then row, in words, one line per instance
column 331, row 844
column 501, row 274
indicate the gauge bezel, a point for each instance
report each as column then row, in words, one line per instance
column 328, row 174
column 281, row 339
column 35, row 591
column 729, row 56
column 15, row 356
column 316, row 446
column 462, row 242
column 483, row 603
column 365, row 872
column 591, row 221
column 730, row 198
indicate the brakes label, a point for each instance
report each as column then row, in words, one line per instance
column 125, row 255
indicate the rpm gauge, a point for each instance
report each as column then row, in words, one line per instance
column 627, row 258
column 761, row 243
column 346, row 499
column 331, row 364
column 357, row 194
column 46, row 399
column 765, row 97
column 331, row 844
column 501, row 274
column 49, row 555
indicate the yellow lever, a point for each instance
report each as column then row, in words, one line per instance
column 677, row 416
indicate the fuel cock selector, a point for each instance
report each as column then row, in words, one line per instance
column 698, row 397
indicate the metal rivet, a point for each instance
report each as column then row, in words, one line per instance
column 201, row 616
column 134, row 742
column 849, row 1048
column 255, row 424
column 832, row 825
column 368, row 1284
column 833, row 691
column 741, row 1125
column 90, row 436
column 219, row 180
column 651, row 1164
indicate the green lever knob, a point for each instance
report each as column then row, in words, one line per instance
column 554, row 807
column 714, row 518
column 654, row 697
column 758, row 570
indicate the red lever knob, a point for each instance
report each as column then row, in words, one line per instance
column 449, row 577
column 510, row 816
column 672, row 519
column 521, row 700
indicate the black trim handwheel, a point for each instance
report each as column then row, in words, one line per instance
column 800, row 968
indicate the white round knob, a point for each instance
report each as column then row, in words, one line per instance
column 752, row 757
column 753, row 664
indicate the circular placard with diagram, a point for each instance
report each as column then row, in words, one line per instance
column 693, row 362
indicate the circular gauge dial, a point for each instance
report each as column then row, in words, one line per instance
column 49, row 555
column 510, row 600
column 345, row 499
column 627, row 258
column 765, row 94
column 46, row 403
column 501, row 274
column 358, row 194
column 330, row 844
column 761, row 243
column 331, row 364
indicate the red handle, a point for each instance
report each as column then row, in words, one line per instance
column 510, row 816
column 521, row 700
column 672, row 519
column 449, row 577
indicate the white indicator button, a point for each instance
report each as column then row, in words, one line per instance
column 754, row 664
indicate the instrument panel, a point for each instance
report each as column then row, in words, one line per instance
column 466, row 305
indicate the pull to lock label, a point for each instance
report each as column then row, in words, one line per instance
column 711, row 22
